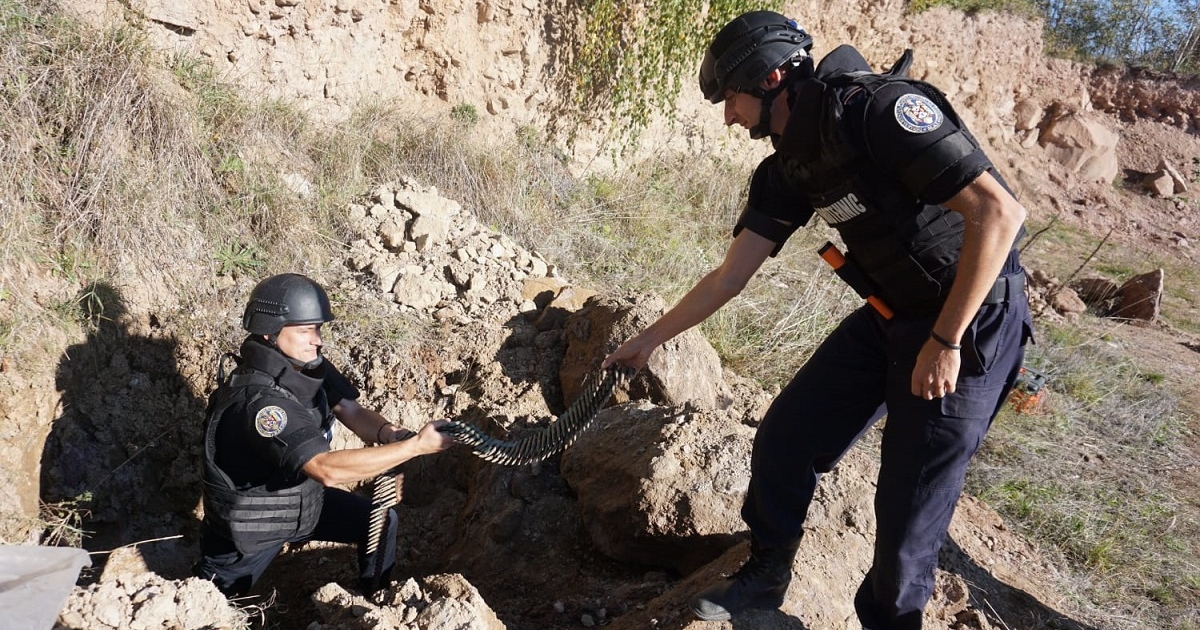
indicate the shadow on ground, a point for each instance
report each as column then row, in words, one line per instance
column 1007, row 606
column 124, row 453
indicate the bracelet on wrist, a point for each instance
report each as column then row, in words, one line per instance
column 379, row 433
column 945, row 342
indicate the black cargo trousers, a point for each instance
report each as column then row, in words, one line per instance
column 862, row 371
column 345, row 518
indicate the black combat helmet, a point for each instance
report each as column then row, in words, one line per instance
column 288, row 298
column 746, row 50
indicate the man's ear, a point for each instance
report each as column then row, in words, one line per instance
column 774, row 79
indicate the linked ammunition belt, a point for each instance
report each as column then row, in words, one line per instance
column 533, row 447
column 387, row 486
column 542, row 443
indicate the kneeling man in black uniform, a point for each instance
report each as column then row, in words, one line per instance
column 269, row 473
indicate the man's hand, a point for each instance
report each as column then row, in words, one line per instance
column 431, row 440
column 745, row 255
column 634, row 353
column 936, row 371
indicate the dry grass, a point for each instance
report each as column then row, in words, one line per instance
column 1095, row 477
column 1105, row 477
column 1060, row 250
column 98, row 145
column 92, row 153
column 517, row 185
column 63, row 522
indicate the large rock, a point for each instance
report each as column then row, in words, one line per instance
column 685, row 369
column 1177, row 179
column 1159, row 184
column 661, row 486
column 564, row 302
column 1140, row 297
column 1067, row 301
column 1028, row 113
column 456, row 604
column 144, row 601
column 835, row 554
column 1082, row 144
column 1095, row 292
column 1165, row 181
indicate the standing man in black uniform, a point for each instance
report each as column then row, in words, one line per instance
column 269, row 471
column 931, row 229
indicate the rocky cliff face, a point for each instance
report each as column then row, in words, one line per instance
column 501, row 56
column 504, row 57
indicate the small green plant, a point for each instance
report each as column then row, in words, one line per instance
column 1081, row 387
column 633, row 58
column 465, row 113
column 92, row 303
column 15, row 16
column 70, row 263
column 238, row 258
column 1115, row 269
column 603, row 188
column 216, row 101
column 231, row 164
column 8, row 333
column 96, row 302
column 1021, row 497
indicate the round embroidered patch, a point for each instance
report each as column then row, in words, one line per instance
column 270, row 421
column 918, row 114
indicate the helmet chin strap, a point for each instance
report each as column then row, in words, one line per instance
column 309, row 365
column 795, row 70
column 300, row 365
column 767, row 98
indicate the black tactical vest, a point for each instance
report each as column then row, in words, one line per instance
column 258, row 517
column 907, row 249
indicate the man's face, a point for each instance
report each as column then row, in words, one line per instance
column 301, row 342
column 742, row 109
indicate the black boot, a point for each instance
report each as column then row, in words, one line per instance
column 760, row 583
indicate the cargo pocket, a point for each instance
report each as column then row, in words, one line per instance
column 982, row 343
column 973, row 400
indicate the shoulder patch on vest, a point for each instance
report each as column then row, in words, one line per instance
column 918, row 114
column 270, row 421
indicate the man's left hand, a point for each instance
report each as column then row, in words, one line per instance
column 936, row 371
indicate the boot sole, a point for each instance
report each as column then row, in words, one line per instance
column 721, row 616
column 774, row 603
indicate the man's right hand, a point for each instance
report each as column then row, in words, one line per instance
column 634, row 353
column 431, row 440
